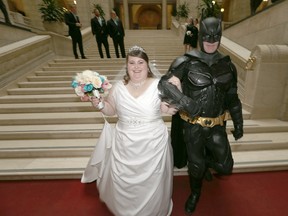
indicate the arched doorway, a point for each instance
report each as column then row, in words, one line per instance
column 148, row 17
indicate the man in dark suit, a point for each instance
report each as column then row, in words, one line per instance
column 116, row 32
column 73, row 22
column 99, row 29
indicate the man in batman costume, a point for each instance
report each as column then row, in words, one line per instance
column 206, row 93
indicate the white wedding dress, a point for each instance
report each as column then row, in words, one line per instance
column 133, row 164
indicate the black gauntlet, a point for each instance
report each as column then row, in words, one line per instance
column 237, row 118
column 171, row 94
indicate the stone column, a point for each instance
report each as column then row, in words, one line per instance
column 164, row 14
column 126, row 14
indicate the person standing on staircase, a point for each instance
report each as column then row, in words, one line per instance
column 191, row 36
column 99, row 29
column 202, row 84
column 73, row 22
column 117, row 33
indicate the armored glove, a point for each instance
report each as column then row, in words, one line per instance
column 237, row 132
column 171, row 94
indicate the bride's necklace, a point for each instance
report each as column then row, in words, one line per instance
column 137, row 85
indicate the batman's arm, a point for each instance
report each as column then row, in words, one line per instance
column 235, row 107
column 171, row 94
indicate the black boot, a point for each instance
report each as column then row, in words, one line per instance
column 191, row 203
column 195, row 185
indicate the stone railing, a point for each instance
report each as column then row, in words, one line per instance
column 20, row 57
column 266, row 82
column 19, row 19
column 62, row 45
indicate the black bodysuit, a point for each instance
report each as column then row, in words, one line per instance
column 209, row 86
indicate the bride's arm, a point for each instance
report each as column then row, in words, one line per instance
column 109, row 108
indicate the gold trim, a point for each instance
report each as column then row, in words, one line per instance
column 205, row 121
column 250, row 63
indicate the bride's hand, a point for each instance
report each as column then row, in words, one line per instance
column 165, row 108
column 175, row 81
column 95, row 101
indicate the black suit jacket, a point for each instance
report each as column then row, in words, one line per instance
column 115, row 30
column 71, row 21
column 97, row 29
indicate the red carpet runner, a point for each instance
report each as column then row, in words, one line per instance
column 249, row 194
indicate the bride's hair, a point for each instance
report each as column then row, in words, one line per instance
column 137, row 51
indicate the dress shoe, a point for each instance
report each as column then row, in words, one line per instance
column 76, row 57
column 84, row 57
column 191, row 203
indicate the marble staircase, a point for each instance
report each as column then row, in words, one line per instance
column 46, row 132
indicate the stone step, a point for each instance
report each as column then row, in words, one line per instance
column 41, row 91
column 94, row 68
column 84, row 146
column 103, row 72
column 259, row 141
column 41, row 78
column 73, row 167
column 94, row 57
column 45, row 84
column 66, row 118
column 65, row 62
column 262, row 160
column 47, row 148
column 72, row 72
column 15, row 99
column 109, row 66
column 46, row 107
column 54, row 118
column 70, row 61
column 64, row 131
column 42, row 168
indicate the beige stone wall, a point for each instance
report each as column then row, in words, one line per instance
column 238, row 10
column 31, row 9
column 267, row 27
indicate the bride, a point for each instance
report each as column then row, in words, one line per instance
column 134, row 169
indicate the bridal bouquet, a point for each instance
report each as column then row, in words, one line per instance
column 90, row 83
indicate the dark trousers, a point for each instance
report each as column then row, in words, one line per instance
column 4, row 11
column 206, row 148
column 104, row 41
column 77, row 39
column 119, row 42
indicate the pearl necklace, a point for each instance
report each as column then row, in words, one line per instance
column 137, row 85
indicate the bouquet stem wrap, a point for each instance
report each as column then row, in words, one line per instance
column 97, row 95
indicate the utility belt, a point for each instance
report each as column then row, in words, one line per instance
column 205, row 121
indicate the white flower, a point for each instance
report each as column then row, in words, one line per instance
column 188, row 33
column 96, row 81
column 78, row 91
